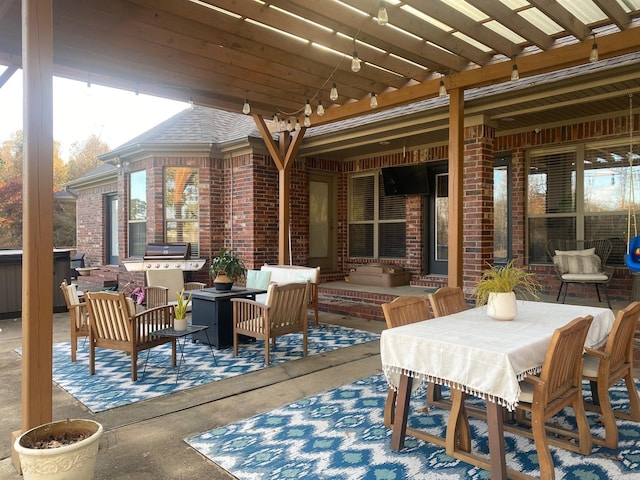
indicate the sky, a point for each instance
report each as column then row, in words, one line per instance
column 79, row 111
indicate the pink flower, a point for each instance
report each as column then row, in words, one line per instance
column 138, row 295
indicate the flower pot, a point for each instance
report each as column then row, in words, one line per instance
column 502, row 306
column 222, row 282
column 75, row 460
column 179, row 324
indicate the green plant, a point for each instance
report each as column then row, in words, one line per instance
column 229, row 264
column 182, row 305
column 504, row 279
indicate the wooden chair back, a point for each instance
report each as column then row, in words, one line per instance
column 78, row 315
column 115, row 325
column 163, row 286
column 619, row 346
column 447, row 300
column 405, row 310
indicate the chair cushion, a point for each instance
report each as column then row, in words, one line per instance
column 590, row 365
column 588, row 251
column 72, row 293
column 577, row 263
column 258, row 279
column 526, row 393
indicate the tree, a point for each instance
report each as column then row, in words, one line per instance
column 11, row 214
column 83, row 156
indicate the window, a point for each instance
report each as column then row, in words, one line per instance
column 137, row 213
column 502, row 210
column 181, row 207
column 583, row 193
column 377, row 223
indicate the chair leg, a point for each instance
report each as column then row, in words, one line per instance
column 606, row 295
column 134, row 365
column 598, row 291
column 434, row 393
column 266, row 352
column 634, row 399
column 74, row 347
column 390, row 408
column 545, row 460
column 92, row 358
column 595, row 398
column 566, row 288
column 584, row 433
column 608, row 419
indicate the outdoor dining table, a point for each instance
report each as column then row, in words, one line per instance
column 477, row 355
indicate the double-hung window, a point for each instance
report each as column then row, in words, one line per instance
column 181, row 207
column 377, row 223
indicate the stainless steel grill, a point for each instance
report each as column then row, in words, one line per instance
column 166, row 256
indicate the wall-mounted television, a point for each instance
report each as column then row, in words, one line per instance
column 406, row 180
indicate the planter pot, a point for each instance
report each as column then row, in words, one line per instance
column 179, row 324
column 222, row 283
column 73, row 461
column 502, row 306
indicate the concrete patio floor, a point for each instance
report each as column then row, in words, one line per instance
column 144, row 440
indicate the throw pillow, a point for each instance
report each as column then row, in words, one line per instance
column 578, row 263
column 588, row 251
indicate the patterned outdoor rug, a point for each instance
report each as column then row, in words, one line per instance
column 112, row 387
column 340, row 434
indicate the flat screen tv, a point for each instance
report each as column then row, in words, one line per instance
column 406, row 180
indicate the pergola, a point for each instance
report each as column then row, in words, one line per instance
column 272, row 59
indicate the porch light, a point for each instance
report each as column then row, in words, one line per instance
column 442, row 90
column 593, row 56
column 333, row 95
column 320, row 110
column 289, row 126
column 355, row 62
column 297, row 127
column 373, row 103
column 514, row 72
column 307, row 121
column 246, row 108
column 307, row 108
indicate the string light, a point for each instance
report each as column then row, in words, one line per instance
column 442, row 90
column 289, row 126
column 307, row 108
column 373, row 103
column 320, row 110
column 515, row 75
column 246, row 108
column 297, row 127
column 355, row 62
column 307, row 121
column 275, row 118
column 383, row 18
column 593, row 56
column 333, row 95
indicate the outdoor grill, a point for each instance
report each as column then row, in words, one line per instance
column 161, row 256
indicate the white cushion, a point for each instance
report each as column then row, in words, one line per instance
column 588, row 251
column 578, row 263
column 526, row 393
column 292, row 273
column 590, row 365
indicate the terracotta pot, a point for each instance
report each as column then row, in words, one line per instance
column 502, row 306
column 74, row 461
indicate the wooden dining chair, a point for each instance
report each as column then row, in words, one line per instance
column 403, row 310
column 558, row 385
column 603, row 368
column 78, row 315
column 285, row 311
column 447, row 300
column 115, row 325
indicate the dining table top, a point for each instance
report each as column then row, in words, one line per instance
column 482, row 356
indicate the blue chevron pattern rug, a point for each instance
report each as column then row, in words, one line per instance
column 340, row 434
column 112, row 387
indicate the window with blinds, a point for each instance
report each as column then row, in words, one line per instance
column 137, row 218
column 585, row 193
column 181, row 207
column 377, row 223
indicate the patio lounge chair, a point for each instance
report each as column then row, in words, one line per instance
column 604, row 368
column 285, row 311
column 77, row 314
column 115, row 325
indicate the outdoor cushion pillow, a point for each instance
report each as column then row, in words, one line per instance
column 577, row 263
column 587, row 251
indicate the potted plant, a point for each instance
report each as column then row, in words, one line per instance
column 226, row 268
column 499, row 286
column 56, row 450
column 180, row 312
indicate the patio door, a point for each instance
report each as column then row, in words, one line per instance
column 322, row 215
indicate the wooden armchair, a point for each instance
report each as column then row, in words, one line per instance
column 447, row 300
column 581, row 261
column 115, row 325
column 402, row 311
column 162, row 287
column 558, row 385
column 78, row 315
column 603, row 368
column 285, row 311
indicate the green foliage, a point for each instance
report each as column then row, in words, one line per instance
column 229, row 263
column 182, row 305
column 504, row 279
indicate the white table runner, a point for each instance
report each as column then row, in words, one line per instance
column 482, row 356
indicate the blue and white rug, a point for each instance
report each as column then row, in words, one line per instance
column 112, row 387
column 340, row 434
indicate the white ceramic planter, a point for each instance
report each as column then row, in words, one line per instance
column 502, row 306
column 179, row 324
column 76, row 461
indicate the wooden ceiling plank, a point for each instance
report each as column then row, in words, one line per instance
column 460, row 22
column 514, row 22
column 563, row 17
column 367, row 30
column 615, row 12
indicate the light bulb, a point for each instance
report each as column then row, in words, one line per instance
column 320, row 110
column 289, row 126
column 373, row 103
column 383, row 18
column 275, row 118
column 246, row 108
column 297, row 127
column 307, row 121
column 593, row 56
column 355, row 62
column 442, row 90
column 333, row 95
column 307, row 108
column 514, row 73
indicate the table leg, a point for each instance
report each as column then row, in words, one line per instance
column 496, row 441
column 458, row 429
column 210, row 347
column 184, row 340
column 402, row 412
